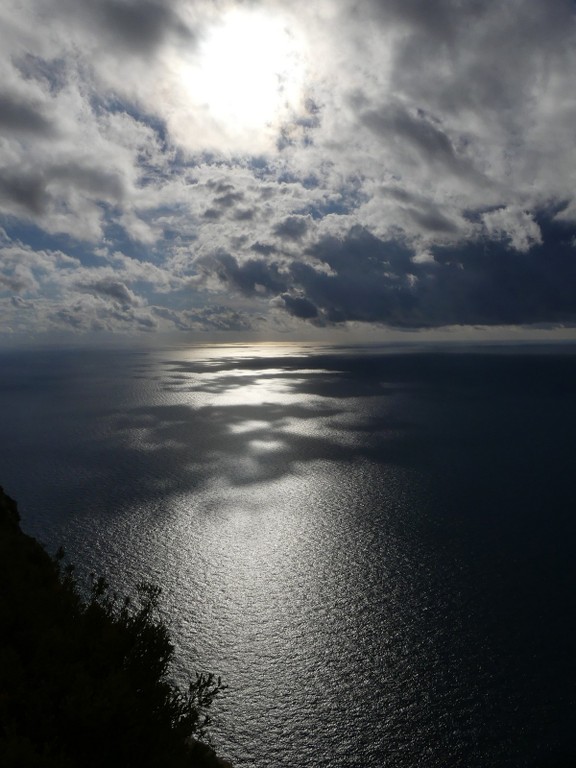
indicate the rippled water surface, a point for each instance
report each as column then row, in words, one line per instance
column 375, row 549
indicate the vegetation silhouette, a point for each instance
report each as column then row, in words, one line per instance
column 85, row 681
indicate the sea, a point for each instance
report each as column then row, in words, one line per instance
column 374, row 547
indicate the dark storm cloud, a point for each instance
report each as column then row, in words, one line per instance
column 487, row 284
column 360, row 251
column 32, row 192
column 292, row 228
column 431, row 220
column 369, row 279
column 437, row 23
column 481, row 283
column 104, row 184
column 299, row 307
column 112, row 289
column 477, row 55
column 263, row 249
column 51, row 74
column 24, row 191
column 244, row 214
column 227, row 203
column 141, row 26
column 229, row 200
column 247, row 277
column 374, row 281
column 20, row 116
column 423, row 212
column 418, row 132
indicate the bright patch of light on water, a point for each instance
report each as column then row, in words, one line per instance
column 374, row 551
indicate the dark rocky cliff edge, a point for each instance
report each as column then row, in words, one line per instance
column 84, row 682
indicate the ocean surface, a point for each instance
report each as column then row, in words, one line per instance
column 375, row 548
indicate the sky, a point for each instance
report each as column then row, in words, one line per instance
column 287, row 169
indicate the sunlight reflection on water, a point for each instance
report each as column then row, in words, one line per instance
column 282, row 605
column 354, row 542
column 265, row 560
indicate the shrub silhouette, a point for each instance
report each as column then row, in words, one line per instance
column 86, row 682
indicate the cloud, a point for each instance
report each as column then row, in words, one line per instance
column 95, row 314
column 16, row 115
column 299, row 306
column 114, row 290
column 292, row 228
column 65, row 293
column 36, row 192
column 252, row 277
column 214, row 318
column 423, row 175
column 20, row 193
column 514, row 225
column 418, row 133
column 374, row 281
column 140, row 26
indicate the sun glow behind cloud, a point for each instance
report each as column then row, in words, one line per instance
column 247, row 75
column 284, row 169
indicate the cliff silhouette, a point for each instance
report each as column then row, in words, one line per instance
column 84, row 682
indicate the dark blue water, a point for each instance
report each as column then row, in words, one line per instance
column 374, row 548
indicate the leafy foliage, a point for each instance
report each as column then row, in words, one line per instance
column 86, row 682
